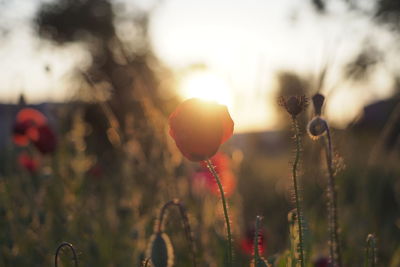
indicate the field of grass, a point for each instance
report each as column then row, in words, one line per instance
column 102, row 189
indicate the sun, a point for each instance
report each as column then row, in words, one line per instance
column 208, row 86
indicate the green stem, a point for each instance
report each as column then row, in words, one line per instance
column 296, row 191
column 334, row 248
column 224, row 205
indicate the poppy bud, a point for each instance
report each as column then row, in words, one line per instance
column 161, row 251
column 199, row 128
column 321, row 262
column 318, row 101
column 317, row 127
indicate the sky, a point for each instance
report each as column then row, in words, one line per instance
column 243, row 44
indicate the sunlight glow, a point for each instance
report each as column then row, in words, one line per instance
column 208, row 86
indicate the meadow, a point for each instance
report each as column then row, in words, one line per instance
column 129, row 169
column 113, row 196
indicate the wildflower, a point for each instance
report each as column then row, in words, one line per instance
column 221, row 163
column 28, row 162
column 46, row 141
column 206, row 179
column 321, row 262
column 199, row 128
column 96, row 171
column 25, row 127
column 294, row 105
column 31, row 126
column 247, row 242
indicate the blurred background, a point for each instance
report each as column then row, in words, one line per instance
column 106, row 75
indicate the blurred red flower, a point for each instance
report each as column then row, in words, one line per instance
column 321, row 262
column 96, row 171
column 30, row 114
column 28, row 162
column 31, row 126
column 221, row 162
column 25, row 127
column 247, row 242
column 47, row 141
column 199, row 128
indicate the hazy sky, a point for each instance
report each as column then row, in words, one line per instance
column 243, row 44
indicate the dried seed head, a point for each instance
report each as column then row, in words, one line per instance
column 294, row 105
column 318, row 102
column 317, row 127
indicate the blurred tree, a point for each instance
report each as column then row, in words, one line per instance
column 127, row 72
column 384, row 12
column 124, row 130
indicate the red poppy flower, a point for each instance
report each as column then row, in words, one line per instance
column 27, row 162
column 207, row 179
column 221, row 164
column 30, row 114
column 46, row 142
column 321, row 262
column 199, row 128
column 96, row 171
column 25, row 127
column 220, row 161
column 247, row 243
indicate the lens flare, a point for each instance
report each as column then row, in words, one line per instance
column 207, row 86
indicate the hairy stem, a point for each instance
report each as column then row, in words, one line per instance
column 334, row 246
column 65, row 244
column 224, row 205
column 296, row 191
column 256, row 235
column 370, row 254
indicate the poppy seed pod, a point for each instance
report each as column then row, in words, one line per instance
column 317, row 127
column 199, row 128
column 294, row 105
